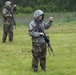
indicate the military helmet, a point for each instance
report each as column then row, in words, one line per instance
column 7, row 4
column 37, row 13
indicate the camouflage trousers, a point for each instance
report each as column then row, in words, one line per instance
column 39, row 55
column 7, row 30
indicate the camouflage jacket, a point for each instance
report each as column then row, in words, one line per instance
column 6, row 17
column 35, row 34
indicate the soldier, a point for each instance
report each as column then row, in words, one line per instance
column 7, row 21
column 38, row 41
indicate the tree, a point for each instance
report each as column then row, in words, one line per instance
column 46, row 5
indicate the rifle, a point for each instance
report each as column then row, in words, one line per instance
column 9, row 9
column 13, row 20
column 47, row 40
column 48, row 43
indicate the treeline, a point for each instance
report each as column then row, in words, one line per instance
column 28, row 6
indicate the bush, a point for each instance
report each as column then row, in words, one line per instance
column 42, row 7
column 46, row 8
column 28, row 10
column 24, row 10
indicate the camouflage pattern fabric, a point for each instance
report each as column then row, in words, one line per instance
column 39, row 43
column 7, row 26
column 8, row 30
column 39, row 54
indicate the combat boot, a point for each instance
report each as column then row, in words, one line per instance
column 43, row 68
column 35, row 70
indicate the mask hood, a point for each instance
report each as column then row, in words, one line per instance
column 37, row 13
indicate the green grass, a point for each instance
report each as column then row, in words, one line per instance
column 16, row 57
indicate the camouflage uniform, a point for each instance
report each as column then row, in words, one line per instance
column 38, row 42
column 7, row 22
column 39, row 54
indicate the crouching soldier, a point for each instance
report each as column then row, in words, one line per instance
column 38, row 42
column 8, row 19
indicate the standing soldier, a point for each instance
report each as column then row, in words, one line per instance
column 38, row 41
column 8, row 18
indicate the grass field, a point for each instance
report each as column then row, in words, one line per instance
column 16, row 58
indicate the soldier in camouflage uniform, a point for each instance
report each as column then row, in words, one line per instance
column 38, row 41
column 7, row 21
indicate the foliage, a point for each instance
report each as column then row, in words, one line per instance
column 24, row 10
column 46, row 5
